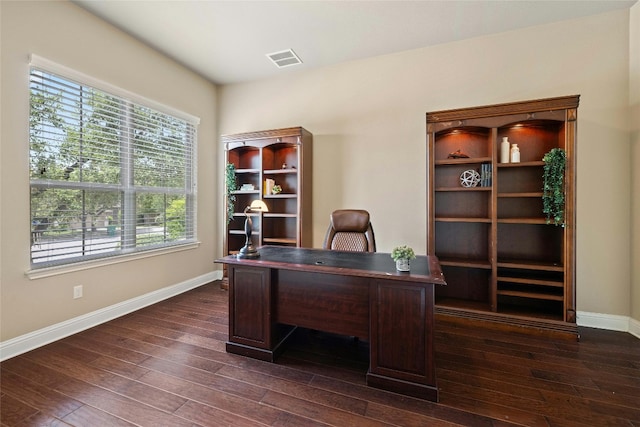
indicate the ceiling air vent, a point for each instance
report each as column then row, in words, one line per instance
column 284, row 58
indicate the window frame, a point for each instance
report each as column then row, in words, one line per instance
column 128, row 191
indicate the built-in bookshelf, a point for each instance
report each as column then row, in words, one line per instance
column 502, row 261
column 264, row 159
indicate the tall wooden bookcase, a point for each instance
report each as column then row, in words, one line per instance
column 283, row 155
column 502, row 262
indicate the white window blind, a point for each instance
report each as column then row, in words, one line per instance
column 108, row 175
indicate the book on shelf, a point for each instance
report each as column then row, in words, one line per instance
column 485, row 175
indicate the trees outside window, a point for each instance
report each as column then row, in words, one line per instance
column 108, row 176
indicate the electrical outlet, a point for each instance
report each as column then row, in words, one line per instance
column 77, row 292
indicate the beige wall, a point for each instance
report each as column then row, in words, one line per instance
column 634, row 102
column 368, row 122
column 66, row 34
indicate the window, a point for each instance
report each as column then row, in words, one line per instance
column 108, row 175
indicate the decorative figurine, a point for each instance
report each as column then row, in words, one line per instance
column 458, row 154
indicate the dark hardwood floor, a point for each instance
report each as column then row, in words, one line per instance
column 165, row 365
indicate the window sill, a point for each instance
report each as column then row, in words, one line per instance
column 41, row 273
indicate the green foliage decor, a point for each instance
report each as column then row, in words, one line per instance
column 231, row 187
column 402, row 252
column 553, row 187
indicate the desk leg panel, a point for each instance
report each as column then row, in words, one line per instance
column 250, row 307
column 402, row 325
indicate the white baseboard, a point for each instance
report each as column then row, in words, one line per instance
column 609, row 321
column 634, row 327
column 32, row 340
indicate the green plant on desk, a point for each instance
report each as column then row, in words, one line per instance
column 403, row 252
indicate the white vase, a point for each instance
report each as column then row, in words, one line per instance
column 504, row 150
column 515, row 154
column 402, row 264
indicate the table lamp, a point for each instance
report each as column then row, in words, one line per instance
column 248, row 250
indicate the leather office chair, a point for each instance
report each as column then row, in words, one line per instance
column 350, row 230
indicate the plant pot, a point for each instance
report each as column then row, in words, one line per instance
column 402, row 264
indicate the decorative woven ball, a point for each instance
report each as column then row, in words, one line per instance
column 470, row 178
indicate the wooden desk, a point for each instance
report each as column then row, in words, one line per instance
column 349, row 293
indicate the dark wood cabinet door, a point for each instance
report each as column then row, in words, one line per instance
column 402, row 327
column 250, row 306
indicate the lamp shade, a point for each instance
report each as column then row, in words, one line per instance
column 258, row 206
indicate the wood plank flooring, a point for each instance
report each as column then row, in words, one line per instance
column 166, row 365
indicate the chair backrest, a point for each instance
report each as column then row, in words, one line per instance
column 350, row 230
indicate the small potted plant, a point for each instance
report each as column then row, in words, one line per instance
column 276, row 189
column 402, row 255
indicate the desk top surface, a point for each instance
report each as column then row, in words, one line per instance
column 375, row 265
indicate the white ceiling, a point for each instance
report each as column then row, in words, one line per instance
column 227, row 41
